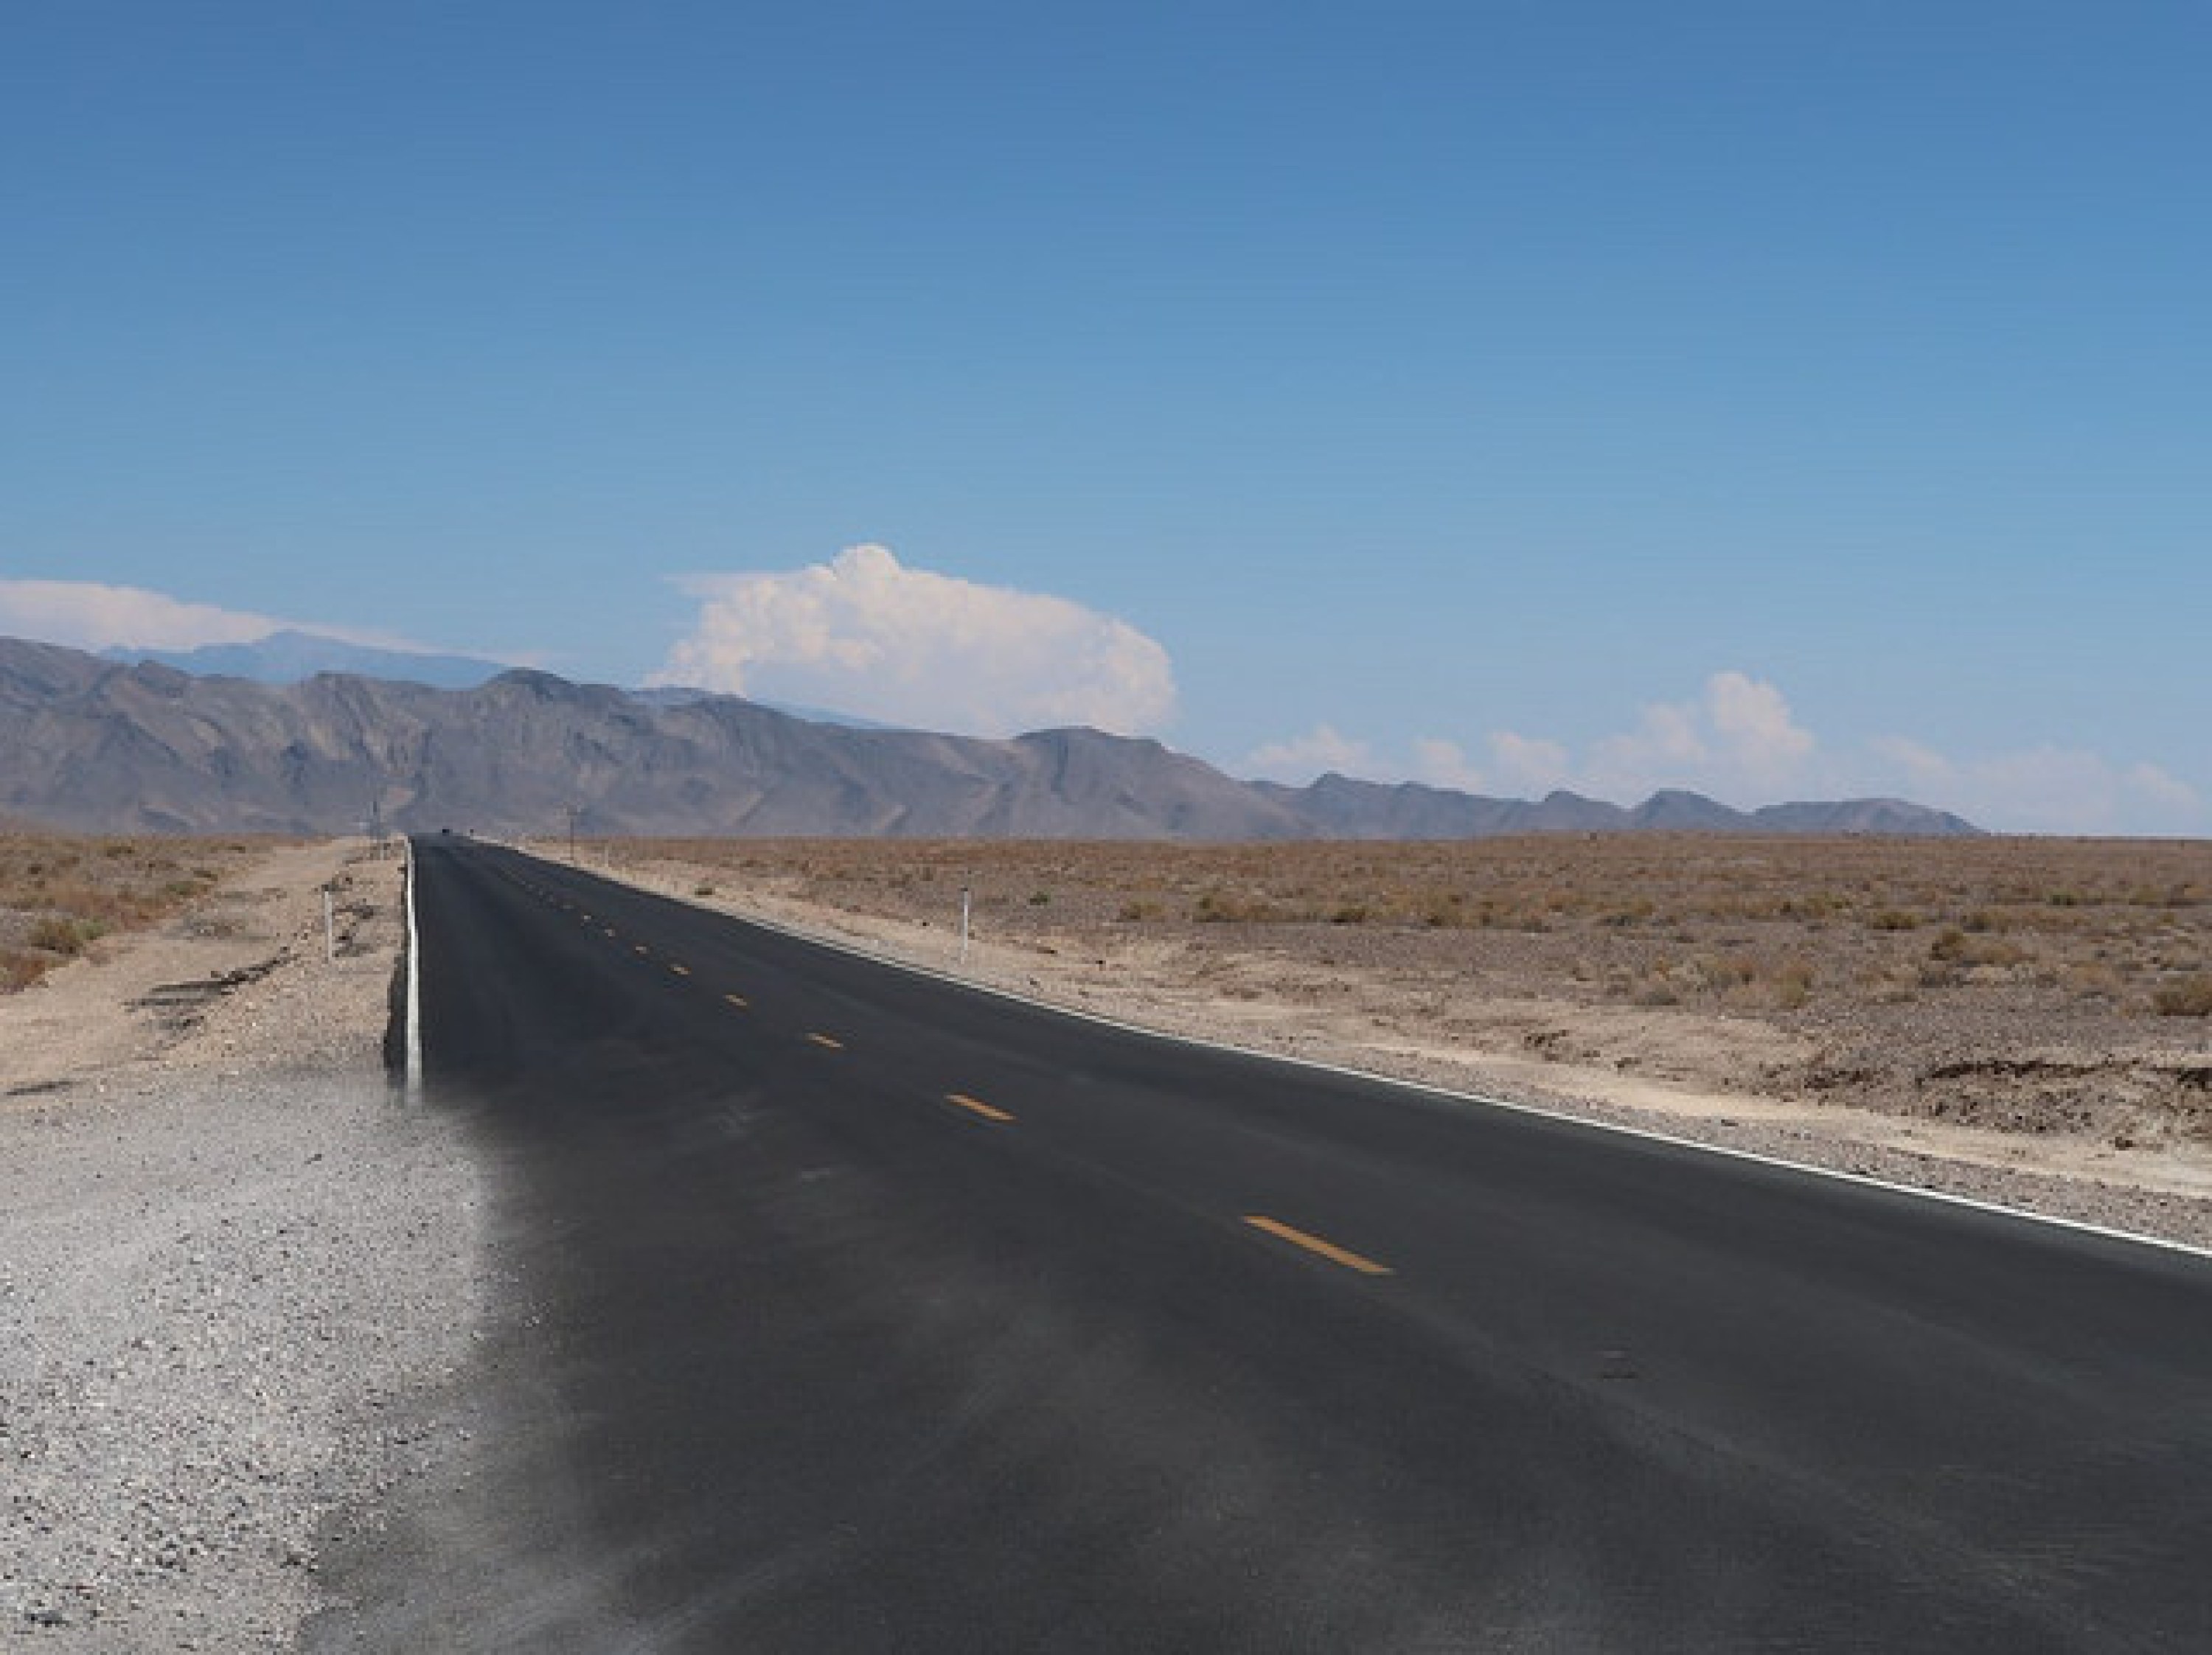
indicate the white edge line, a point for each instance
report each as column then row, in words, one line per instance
column 414, row 985
column 1422, row 1089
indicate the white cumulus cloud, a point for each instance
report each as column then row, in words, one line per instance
column 1738, row 740
column 1441, row 763
column 89, row 615
column 1753, row 723
column 863, row 634
column 1528, row 764
column 1914, row 759
column 2162, row 787
column 2042, row 790
column 1302, row 758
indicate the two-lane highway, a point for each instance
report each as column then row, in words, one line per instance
column 855, row 1310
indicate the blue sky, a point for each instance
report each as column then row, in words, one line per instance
column 1780, row 400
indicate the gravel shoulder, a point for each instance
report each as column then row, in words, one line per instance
column 238, row 1272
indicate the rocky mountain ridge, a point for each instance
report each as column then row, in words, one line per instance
column 97, row 745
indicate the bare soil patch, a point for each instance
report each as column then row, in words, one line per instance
column 2016, row 1020
column 229, row 975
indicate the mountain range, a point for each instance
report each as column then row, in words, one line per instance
column 103, row 745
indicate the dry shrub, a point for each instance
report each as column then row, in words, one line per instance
column 2095, row 980
column 55, row 934
column 1218, row 907
column 1892, row 986
column 1793, row 984
column 60, row 892
column 1953, row 946
column 1444, row 911
column 2192, row 997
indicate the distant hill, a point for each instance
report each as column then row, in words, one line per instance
column 100, row 745
column 1871, row 816
column 1347, row 809
column 292, row 657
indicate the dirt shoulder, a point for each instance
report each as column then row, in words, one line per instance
column 1857, row 1049
column 233, row 1264
column 240, row 979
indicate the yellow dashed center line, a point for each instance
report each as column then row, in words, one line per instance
column 825, row 1041
column 738, row 1000
column 681, row 971
column 1314, row 1245
column 976, row 1106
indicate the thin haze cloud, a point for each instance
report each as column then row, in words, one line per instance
column 864, row 634
column 1739, row 741
column 87, row 615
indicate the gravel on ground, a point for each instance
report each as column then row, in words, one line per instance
column 237, row 1268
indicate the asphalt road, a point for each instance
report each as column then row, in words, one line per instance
column 850, row 1310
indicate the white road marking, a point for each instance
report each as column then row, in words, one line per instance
column 414, row 985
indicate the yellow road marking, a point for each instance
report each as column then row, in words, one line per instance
column 976, row 1106
column 738, row 1000
column 681, row 971
column 1313, row 1244
column 825, row 1040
